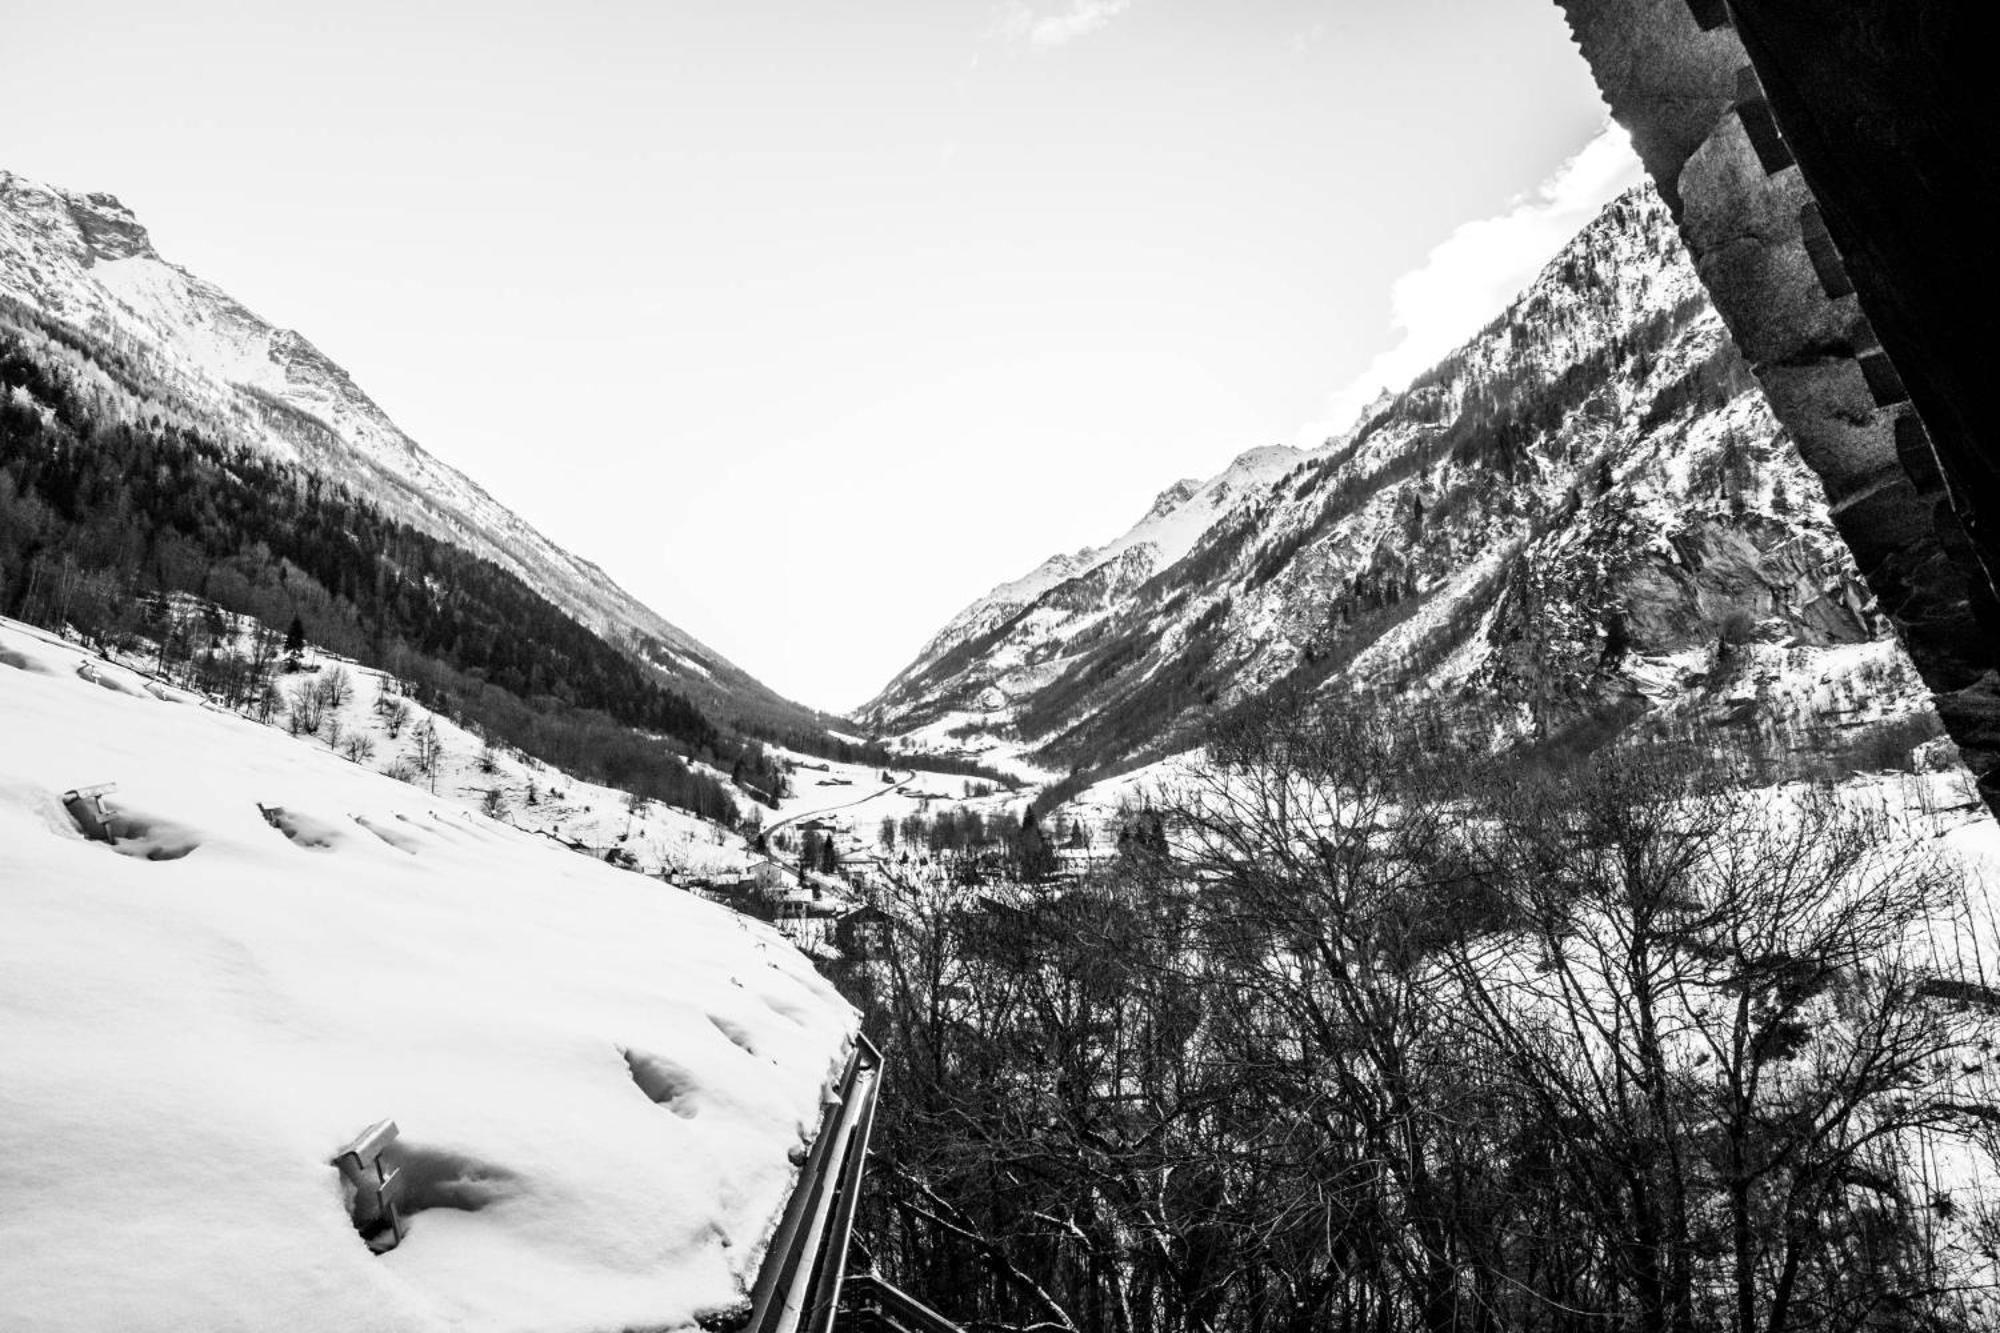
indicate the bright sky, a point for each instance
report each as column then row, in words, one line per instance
column 811, row 320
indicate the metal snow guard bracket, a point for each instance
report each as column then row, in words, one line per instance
column 86, row 807
column 378, row 1224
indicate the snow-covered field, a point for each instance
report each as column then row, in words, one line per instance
column 980, row 735
column 852, row 800
column 188, row 1041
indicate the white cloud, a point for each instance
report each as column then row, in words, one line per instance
column 1037, row 26
column 1473, row 273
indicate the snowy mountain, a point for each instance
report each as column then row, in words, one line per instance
column 1175, row 522
column 601, row 1082
column 79, row 276
column 1586, row 511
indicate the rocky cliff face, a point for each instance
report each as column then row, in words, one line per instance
column 1586, row 511
column 80, row 279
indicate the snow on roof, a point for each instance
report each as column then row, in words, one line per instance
column 188, row 1042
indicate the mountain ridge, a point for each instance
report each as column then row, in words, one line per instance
column 83, row 259
column 1172, row 524
column 1584, row 511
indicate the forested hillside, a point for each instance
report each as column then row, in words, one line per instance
column 97, row 517
column 1564, row 518
column 144, row 342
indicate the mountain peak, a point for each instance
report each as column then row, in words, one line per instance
column 1167, row 501
column 104, row 228
column 109, row 227
column 1264, row 457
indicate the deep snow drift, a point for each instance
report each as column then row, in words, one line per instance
column 187, row 1042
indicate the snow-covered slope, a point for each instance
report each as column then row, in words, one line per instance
column 1175, row 522
column 195, row 1020
column 85, row 261
column 372, row 720
column 1563, row 516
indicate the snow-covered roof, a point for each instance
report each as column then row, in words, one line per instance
column 188, row 1042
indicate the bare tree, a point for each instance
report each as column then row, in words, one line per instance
column 1364, row 1031
column 1326, row 851
column 306, row 709
column 336, row 687
column 427, row 749
column 1711, row 989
